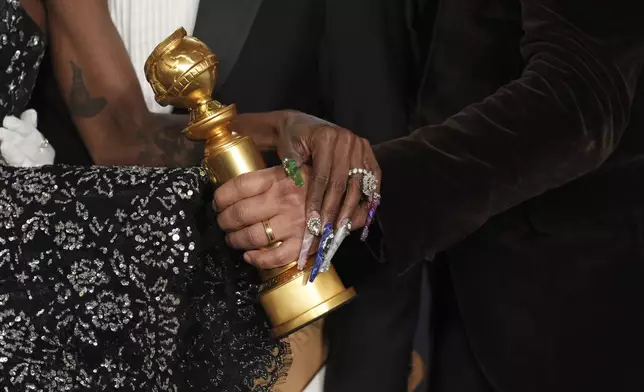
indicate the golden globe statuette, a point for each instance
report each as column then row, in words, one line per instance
column 182, row 73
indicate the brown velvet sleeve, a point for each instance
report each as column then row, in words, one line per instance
column 559, row 120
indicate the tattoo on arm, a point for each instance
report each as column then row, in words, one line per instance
column 164, row 144
column 80, row 102
column 159, row 136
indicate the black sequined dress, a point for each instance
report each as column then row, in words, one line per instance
column 116, row 279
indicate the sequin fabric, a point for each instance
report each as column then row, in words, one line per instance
column 116, row 279
column 21, row 51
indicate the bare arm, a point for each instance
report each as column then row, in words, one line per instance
column 103, row 94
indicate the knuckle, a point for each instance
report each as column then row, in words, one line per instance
column 287, row 117
column 299, row 147
column 221, row 222
column 256, row 237
column 327, row 134
column 240, row 212
column 321, row 180
column 347, row 136
column 232, row 240
column 338, row 187
column 288, row 113
column 219, row 198
column 240, row 182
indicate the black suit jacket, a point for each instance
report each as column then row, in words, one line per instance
column 531, row 169
column 350, row 62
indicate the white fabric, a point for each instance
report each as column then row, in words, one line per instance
column 317, row 384
column 142, row 24
column 21, row 144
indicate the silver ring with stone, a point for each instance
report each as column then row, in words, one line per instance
column 369, row 184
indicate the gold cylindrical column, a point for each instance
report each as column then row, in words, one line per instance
column 182, row 73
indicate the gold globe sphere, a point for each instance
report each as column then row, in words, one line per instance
column 182, row 71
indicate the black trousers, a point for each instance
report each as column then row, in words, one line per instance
column 371, row 339
column 452, row 367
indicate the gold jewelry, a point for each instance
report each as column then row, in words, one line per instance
column 269, row 232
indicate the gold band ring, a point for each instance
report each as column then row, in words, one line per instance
column 269, row 232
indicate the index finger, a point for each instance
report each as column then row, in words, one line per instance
column 247, row 185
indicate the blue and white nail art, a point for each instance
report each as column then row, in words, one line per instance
column 339, row 236
column 325, row 243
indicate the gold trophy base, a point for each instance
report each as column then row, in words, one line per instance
column 292, row 302
column 312, row 315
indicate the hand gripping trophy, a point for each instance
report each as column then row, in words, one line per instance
column 182, row 73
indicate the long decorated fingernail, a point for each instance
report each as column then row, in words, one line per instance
column 304, row 251
column 373, row 206
column 340, row 235
column 325, row 242
column 292, row 171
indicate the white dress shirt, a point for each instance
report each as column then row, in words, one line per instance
column 143, row 24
